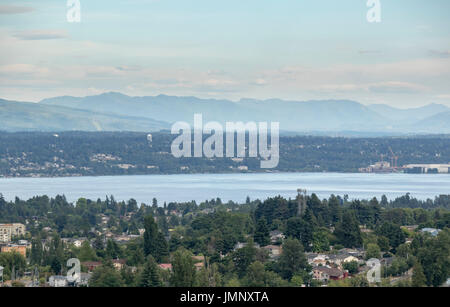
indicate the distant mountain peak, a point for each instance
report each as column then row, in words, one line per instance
column 119, row 111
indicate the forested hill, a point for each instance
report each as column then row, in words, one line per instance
column 126, row 153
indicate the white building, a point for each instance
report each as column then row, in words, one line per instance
column 57, row 281
column 427, row 168
column 8, row 231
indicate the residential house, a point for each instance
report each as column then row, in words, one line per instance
column 339, row 259
column 324, row 274
column 274, row 251
column 199, row 262
column 84, row 279
column 319, row 260
column 276, row 236
column 91, row 265
column 165, row 266
column 57, row 281
column 119, row 263
column 199, row 265
column 432, row 231
column 240, row 245
column 21, row 249
column 79, row 242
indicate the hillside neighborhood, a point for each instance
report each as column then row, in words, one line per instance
column 130, row 244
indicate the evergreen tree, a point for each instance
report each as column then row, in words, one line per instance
column 243, row 257
column 256, row 275
column 37, row 252
column 262, row 235
column 113, row 250
column 293, row 260
column 106, row 276
column 418, row 278
column 348, row 232
column 162, row 248
column 393, row 232
column 149, row 276
column 86, row 252
column 183, row 269
column 150, row 236
column 302, row 229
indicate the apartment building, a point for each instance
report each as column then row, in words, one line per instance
column 8, row 231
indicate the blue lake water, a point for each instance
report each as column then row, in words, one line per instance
column 234, row 187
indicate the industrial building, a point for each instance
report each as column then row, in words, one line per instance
column 427, row 168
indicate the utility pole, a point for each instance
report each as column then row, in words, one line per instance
column 301, row 199
column 1, row 273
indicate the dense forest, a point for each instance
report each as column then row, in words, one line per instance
column 104, row 153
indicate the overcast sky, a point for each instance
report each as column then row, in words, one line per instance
column 288, row 49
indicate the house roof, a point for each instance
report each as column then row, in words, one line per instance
column 91, row 263
column 275, row 233
column 58, row 277
column 165, row 266
column 332, row 272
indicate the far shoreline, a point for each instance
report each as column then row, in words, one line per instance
column 217, row 173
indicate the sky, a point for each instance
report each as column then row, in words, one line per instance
column 233, row 49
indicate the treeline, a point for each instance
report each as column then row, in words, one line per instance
column 104, row 153
column 84, row 216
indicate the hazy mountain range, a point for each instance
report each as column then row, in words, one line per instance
column 118, row 112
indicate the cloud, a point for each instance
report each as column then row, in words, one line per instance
column 41, row 34
column 443, row 96
column 396, row 87
column 23, row 69
column 259, row 82
column 439, row 53
column 369, row 52
column 14, row 9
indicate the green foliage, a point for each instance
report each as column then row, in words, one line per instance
column 243, row 257
column 262, row 236
column 373, row 251
column 13, row 263
column 113, row 250
column 293, row 260
column 154, row 242
column 77, row 148
column 149, row 276
column 209, row 276
column 321, row 242
column 418, row 278
column 106, row 276
column 433, row 256
column 383, row 243
column 87, row 253
column 347, row 231
column 183, row 269
column 351, row 267
column 393, row 233
column 256, row 275
column 37, row 252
